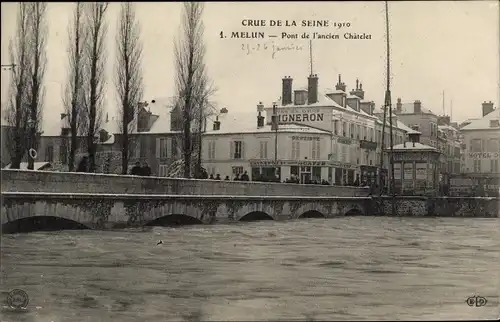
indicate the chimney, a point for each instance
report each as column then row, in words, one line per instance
column 417, row 107
column 399, row 106
column 359, row 92
column 216, row 124
column 286, row 93
column 340, row 86
column 260, row 118
column 312, row 89
column 487, row 108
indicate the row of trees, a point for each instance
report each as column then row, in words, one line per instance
column 84, row 93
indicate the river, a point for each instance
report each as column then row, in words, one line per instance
column 356, row 268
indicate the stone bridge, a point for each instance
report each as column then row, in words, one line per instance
column 107, row 211
column 44, row 200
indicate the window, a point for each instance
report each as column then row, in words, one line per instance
column 358, row 132
column 343, row 156
column 211, row 150
column 63, row 152
column 475, row 145
column 493, row 145
column 263, row 149
column 237, row 150
column 477, row 166
column 295, row 150
column 336, row 127
column 162, row 170
column 315, row 155
column 137, row 149
column 163, row 148
column 351, row 130
column 237, row 170
column 49, row 153
column 494, row 166
column 345, row 130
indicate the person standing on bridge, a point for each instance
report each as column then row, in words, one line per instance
column 146, row 170
column 136, row 169
column 83, row 166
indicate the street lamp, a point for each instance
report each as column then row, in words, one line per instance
column 275, row 127
column 32, row 154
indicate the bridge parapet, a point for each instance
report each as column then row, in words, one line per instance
column 485, row 207
column 31, row 181
column 130, row 210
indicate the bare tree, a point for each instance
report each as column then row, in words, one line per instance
column 191, row 80
column 17, row 110
column 204, row 109
column 74, row 94
column 95, row 52
column 128, row 77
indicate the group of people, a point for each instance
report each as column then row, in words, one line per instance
column 237, row 177
column 138, row 170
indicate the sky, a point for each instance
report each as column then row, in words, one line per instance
column 435, row 47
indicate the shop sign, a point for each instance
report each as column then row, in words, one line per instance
column 305, row 163
column 305, row 138
column 411, row 156
column 343, row 140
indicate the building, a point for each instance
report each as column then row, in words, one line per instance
column 415, row 167
column 436, row 131
column 153, row 139
column 482, row 141
column 330, row 135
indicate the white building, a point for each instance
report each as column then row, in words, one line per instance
column 482, row 141
column 321, row 136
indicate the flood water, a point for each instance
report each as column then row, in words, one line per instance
column 356, row 268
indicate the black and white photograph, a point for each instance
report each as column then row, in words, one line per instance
column 250, row 161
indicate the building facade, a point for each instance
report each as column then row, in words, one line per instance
column 153, row 139
column 332, row 136
column 415, row 166
column 482, row 156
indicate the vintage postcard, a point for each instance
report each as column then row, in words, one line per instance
column 250, row 161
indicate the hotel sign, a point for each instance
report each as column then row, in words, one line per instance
column 484, row 155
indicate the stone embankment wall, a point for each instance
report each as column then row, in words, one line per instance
column 67, row 182
column 413, row 206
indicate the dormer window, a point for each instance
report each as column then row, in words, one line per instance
column 494, row 123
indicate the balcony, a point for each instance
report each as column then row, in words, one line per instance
column 344, row 140
column 369, row 145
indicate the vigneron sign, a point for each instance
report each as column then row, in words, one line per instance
column 300, row 115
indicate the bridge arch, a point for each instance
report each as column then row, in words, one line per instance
column 312, row 214
column 354, row 212
column 256, row 216
column 41, row 223
column 175, row 220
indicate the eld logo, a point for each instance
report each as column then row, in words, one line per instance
column 18, row 299
column 476, row 301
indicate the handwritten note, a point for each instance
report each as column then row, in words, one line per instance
column 270, row 47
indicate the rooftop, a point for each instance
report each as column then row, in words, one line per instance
column 247, row 123
column 484, row 122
